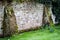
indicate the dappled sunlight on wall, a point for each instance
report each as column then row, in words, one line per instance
column 28, row 15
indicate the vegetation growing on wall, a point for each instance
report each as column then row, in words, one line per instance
column 9, row 22
column 9, row 25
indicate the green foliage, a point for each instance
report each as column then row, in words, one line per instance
column 56, row 9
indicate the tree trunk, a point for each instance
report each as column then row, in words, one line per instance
column 48, row 18
column 9, row 23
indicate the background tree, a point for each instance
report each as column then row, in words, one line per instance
column 56, row 9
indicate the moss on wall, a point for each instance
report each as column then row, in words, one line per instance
column 9, row 22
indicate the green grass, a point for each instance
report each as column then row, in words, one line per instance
column 36, row 35
column 6, row 38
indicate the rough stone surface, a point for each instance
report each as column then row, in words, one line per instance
column 28, row 15
column 1, row 17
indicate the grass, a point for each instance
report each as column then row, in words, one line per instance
column 6, row 38
column 36, row 35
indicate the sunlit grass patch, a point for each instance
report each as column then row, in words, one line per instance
column 37, row 35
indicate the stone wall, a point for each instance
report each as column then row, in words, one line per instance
column 28, row 15
column 1, row 17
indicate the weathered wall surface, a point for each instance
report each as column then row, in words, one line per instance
column 28, row 15
column 1, row 17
